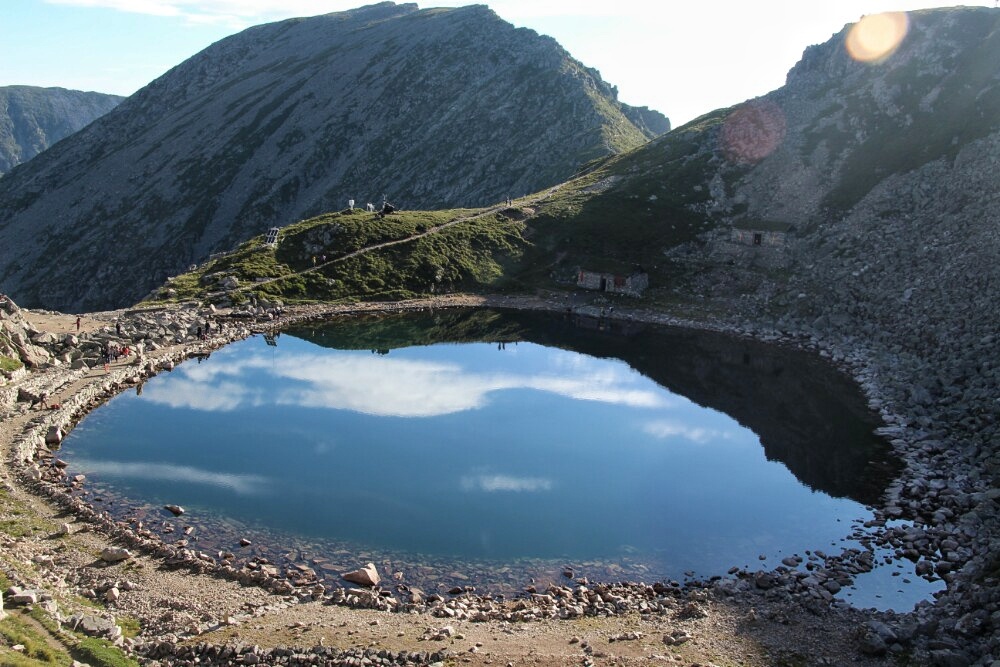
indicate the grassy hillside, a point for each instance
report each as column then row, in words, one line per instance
column 354, row 255
column 625, row 211
column 619, row 213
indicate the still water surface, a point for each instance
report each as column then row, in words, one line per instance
column 483, row 441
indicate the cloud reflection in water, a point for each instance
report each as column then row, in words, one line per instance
column 390, row 387
column 505, row 483
column 665, row 429
column 244, row 485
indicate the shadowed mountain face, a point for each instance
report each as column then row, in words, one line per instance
column 32, row 119
column 807, row 415
column 432, row 108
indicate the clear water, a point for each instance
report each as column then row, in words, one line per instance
column 498, row 444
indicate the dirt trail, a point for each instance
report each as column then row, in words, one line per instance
column 533, row 201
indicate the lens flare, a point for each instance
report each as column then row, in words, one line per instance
column 877, row 36
column 753, row 131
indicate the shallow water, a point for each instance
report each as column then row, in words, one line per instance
column 492, row 448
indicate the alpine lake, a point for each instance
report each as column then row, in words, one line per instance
column 498, row 449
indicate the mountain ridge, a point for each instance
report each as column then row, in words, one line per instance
column 431, row 108
column 33, row 118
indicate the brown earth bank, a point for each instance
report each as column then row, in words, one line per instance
column 90, row 573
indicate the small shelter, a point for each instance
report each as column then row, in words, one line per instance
column 633, row 284
column 762, row 233
column 272, row 236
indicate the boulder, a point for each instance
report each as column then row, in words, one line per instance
column 32, row 355
column 95, row 626
column 54, row 436
column 366, row 576
column 764, row 580
column 115, row 554
column 176, row 510
column 20, row 596
column 44, row 338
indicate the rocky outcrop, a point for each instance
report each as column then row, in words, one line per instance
column 435, row 108
column 32, row 119
column 18, row 338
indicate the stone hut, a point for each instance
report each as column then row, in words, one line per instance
column 758, row 243
column 633, row 284
column 762, row 233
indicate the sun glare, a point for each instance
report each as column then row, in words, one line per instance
column 877, row 36
column 753, row 131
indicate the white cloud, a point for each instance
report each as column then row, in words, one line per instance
column 243, row 485
column 505, row 484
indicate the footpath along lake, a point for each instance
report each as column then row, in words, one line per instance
column 496, row 449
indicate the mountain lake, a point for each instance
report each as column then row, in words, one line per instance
column 497, row 449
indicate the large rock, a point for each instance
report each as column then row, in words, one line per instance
column 54, row 435
column 20, row 596
column 94, row 626
column 32, row 355
column 115, row 554
column 366, row 576
column 176, row 510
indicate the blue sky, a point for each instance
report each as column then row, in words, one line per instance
column 683, row 59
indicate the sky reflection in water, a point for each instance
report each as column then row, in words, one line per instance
column 458, row 450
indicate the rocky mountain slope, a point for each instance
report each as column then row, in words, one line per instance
column 428, row 107
column 32, row 119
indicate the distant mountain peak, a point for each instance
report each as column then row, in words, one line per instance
column 34, row 118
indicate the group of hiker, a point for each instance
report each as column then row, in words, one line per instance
column 204, row 334
column 112, row 352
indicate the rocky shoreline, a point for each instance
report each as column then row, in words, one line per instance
column 957, row 630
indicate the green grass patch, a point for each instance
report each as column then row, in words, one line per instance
column 130, row 626
column 16, row 631
column 26, row 524
column 100, row 653
column 340, row 257
column 9, row 364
